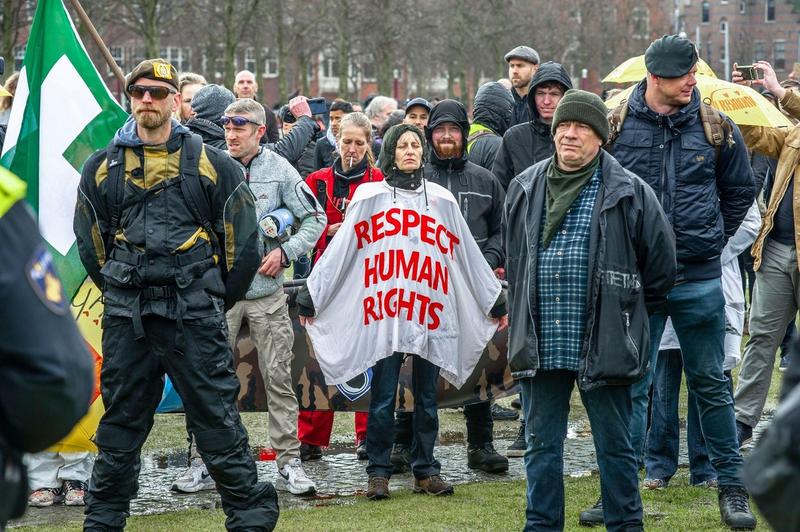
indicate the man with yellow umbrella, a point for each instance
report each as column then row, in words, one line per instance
column 706, row 189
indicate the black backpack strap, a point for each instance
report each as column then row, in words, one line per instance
column 191, row 188
column 115, row 188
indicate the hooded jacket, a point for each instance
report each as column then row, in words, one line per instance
column 631, row 270
column 480, row 197
column 491, row 118
column 705, row 196
column 528, row 143
column 158, row 241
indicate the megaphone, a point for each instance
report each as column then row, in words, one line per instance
column 276, row 224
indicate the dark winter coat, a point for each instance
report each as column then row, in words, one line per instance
column 323, row 153
column 491, row 118
column 478, row 194
column 631, row 269
column 212, row 134
column 525, row 144
column 705, row 197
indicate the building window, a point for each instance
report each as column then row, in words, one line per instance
column 779, row 55
column 118, row 53
column 179, row 57
column 769, row 11
column 19, row 56
column 250, row 59
column 270, row 63
column 759, row 51
column 640, row 23
column 329, row 65
column 742, row 8
column 368, row 70
column 705, row 16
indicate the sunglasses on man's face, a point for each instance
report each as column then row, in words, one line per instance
column 156, row 93
column 238, row 121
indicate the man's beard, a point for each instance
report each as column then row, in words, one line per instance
column 152, row 120
column 448, row 150
column 519, row 83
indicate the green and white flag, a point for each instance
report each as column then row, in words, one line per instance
column 62, row 113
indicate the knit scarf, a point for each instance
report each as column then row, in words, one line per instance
column 562, row 189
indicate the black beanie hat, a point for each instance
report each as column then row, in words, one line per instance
column 584, row 107
column 671, row 56
column 210, row 102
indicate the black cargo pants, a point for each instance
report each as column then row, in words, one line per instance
column 199, row 362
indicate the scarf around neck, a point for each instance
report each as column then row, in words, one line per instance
column 562, row 189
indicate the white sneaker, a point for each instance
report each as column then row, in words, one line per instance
column 294, row 479
column 195, row 478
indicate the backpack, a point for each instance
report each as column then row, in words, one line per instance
column 189, row 181
column 716, row 127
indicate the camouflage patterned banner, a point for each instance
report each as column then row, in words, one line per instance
column 490, row 380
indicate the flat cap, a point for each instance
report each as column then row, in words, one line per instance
column 157, row 69
column 671, row 56
column 526, row 53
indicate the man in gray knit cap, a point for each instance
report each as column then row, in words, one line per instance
column 570, row 218
column 523, row 62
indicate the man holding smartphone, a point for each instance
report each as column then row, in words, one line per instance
column 777, row 289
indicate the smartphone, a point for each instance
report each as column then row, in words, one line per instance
column 318, row 106
column 749, row 72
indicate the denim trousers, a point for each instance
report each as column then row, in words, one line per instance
column 697, row 309
column 380, row 423
column 663, row 437
column 545, row 405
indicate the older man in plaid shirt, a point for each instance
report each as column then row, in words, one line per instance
column 589, row 251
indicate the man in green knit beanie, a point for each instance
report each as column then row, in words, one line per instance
column 588, row 250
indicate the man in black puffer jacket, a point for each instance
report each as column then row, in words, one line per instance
column 528, row 143
column 481, row 199
column 491, row 118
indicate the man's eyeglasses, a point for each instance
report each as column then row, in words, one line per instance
column 237, row 121
column 156, row 93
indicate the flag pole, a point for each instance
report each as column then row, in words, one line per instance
column 98, row 41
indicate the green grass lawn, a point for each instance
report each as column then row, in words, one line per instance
column 484, row 506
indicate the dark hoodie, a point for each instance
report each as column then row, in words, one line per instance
column 526, row 144
column 479, row 195
column 491, row 118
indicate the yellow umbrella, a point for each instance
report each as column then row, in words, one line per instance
column 4, row 92
column 634, row 70
column 745, row 106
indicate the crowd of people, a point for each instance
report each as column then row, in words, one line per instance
column 624, row 239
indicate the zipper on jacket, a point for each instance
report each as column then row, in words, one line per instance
column 628, row 331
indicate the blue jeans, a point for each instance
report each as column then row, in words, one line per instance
column 545, row 405
column 663, row 438
column 380, row 424
column 697, row 309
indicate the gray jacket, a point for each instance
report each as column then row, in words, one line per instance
column 276, row 184
column 631, row 269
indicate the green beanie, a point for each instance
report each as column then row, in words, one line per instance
column 584, row 107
